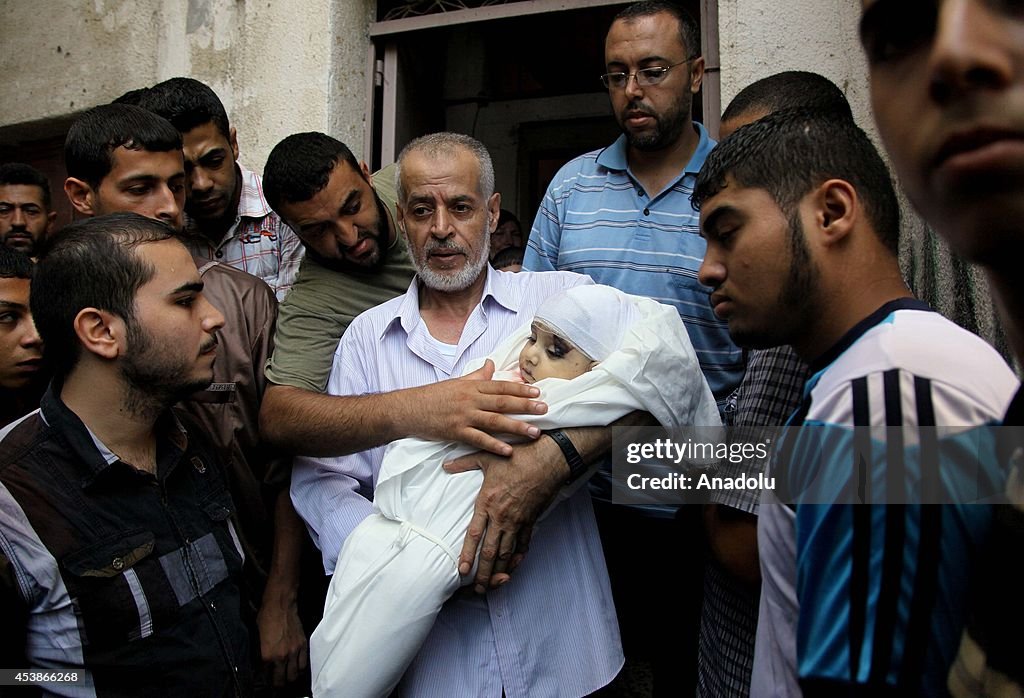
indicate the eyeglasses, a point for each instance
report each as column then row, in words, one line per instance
column 645, row 77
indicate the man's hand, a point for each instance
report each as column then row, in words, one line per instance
column 282, row 642
column 467, row 409
column 515, row 492
column 471, row 409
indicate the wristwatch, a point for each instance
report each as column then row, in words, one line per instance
column 576, row 465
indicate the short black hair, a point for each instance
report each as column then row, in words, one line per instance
column 790, row 152
column 133, row 97
column 185, row 102
column 20, row 173
column 689, row 30
column 90, row 264
column 506, row 216
column 96, row 134
column 15, row 264
column 508, row 257
column 300, row 166
column 793, row 89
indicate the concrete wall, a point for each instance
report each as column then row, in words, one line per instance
column 758, row 38
column 279, row 67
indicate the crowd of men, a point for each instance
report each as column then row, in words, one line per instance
column 189, row 430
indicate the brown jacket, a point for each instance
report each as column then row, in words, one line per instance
column 229, row 409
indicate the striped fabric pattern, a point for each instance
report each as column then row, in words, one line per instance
column 871, row 597
column 552, row 630
column 771, row 390
column 596, row 219
column 259, row 242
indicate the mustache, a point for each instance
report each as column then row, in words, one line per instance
column 639, row 107
column 363, row 235
column 209, row 346
column 434, row 245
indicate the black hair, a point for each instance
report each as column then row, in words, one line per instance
column 300, row 166
column 92, row 139
column 15, row 264
column 185, row 102
column 790, row 152
column 689, row 30
column 20, row 173
column 90, row 264
column 133, row 97
column 508, row 257
column 506, row 216
column 792, row 89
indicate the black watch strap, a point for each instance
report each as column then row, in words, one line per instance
column 576, row 465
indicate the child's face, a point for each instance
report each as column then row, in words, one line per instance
column 547, row 355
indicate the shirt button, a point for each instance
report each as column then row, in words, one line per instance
column 117, row 564
column 219, row 254
column 647, row 211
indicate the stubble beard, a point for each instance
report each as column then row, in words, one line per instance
column 798, row 304
column 153, row 382
column 375, row 261
column 668, row 126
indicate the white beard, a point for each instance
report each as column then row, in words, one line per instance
column 452, row 281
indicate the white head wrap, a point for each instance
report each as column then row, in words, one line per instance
column 593, row 318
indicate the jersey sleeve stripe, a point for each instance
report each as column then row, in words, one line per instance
column 861, row 553
column 930, row 541
column 895, row 533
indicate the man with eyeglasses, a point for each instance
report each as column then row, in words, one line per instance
column 623, row 216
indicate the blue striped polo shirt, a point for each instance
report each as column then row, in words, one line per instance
column 597, row 219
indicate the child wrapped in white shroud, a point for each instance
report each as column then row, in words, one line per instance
column 399, row 566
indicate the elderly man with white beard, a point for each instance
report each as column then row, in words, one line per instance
column 550, row 629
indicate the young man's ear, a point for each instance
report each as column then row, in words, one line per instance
column 51, row 219
column 837, row 211
column 100, row 332
column 233, row 141
column 81, row 196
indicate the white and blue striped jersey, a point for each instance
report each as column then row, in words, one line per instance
column 868, row 598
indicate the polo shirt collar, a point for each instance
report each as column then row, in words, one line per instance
column 614, row 157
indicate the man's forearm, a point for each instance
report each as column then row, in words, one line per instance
column 282, row 639
column 469, row 410
column 732, row 538
column 592, row 443
column 517, row 490
column 289, row 532
column 312, row 424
